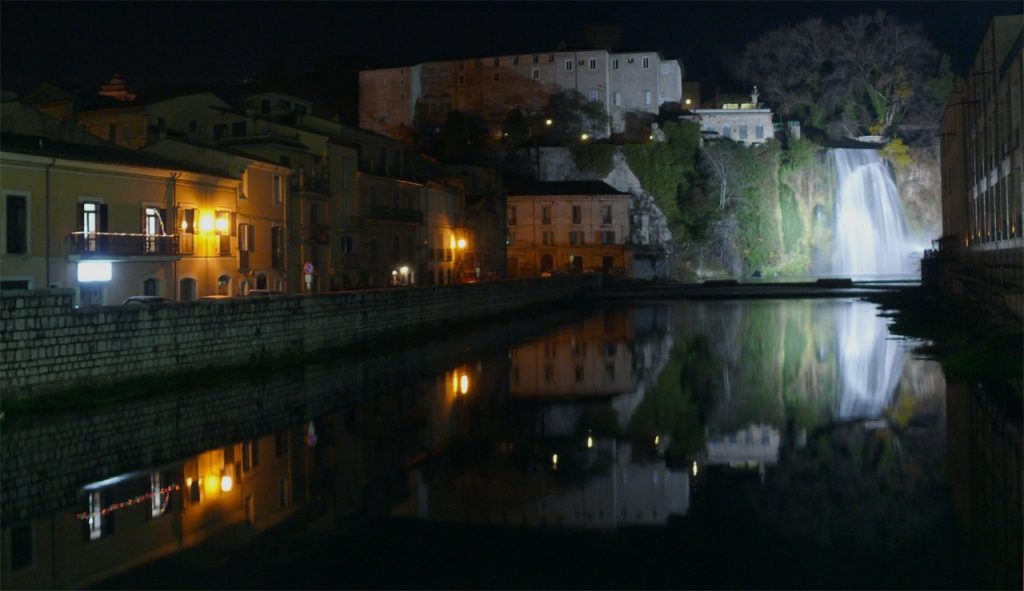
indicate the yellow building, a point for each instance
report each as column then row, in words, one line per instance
column 104, row 221
column 567, row 227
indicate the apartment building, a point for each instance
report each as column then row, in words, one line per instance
column 393, row 101
column 105, row 221
column 982, row 248
column 567, row 227
column 749, row 123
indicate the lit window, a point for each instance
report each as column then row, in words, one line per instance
column 95, row 515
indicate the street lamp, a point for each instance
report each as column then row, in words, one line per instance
column 548, row 122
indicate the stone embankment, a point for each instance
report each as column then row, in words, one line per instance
column 47, row 345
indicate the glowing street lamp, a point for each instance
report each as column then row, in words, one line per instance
column 548, row 122
column 461, row 243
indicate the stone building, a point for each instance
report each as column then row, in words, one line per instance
column 393, row 101
column 567, row 227
column 980, row 252
column 748, row 123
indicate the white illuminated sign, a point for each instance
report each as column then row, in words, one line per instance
column 95, row 271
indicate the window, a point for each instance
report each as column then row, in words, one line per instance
column 278, row 189
column 497, row 62
column 605, row 237
column 617, row 98
column 576, row 237
column 759, row 132
column 592, row 64
column 549, row 238
column 579, row 373
column 186, row 225
column 238, row 129
column 666, row 69
column 549, row 374
column 151, row 287
column 224, row 226
column 515, row 61
column 536, row 59
column 187, row 290
column 246, row 245
column 159, row 498
column 21, row 546
column 346, row 244
column 551, row 58
column 152, row 226
column 647, row 97
column 512, row 215
column 224, row 285
column 250, row 455
column 497, row 77
column 568, row 65
column 606, row 214
column 535, row 73
column 219, row 130
column 577, row 214
column 16, row 224
column 462, row 79
column 592, row 94
column 645, row 63
column 726, row 131
column 545, row 214
column 615, row 63
column 743, row 132
column 95, row 512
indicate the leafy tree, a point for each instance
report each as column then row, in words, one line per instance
column 571, row 115
column 463, row 138
column 866, row 75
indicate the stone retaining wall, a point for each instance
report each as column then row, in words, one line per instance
column 47, row 345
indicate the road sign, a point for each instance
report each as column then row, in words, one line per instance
column 307, row 268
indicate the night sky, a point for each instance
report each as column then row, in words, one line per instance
column 153, row 44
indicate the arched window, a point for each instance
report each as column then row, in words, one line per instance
column 261, row 281
column 187, row 290
column 151, row 287
column 224, row 285
column 547, row 263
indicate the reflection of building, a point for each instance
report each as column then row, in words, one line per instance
column 624, row 493
column 132, row 518
column 567, row 226
column 753, row 446
column 594, row 359
column 980, row 252
column 393, row 101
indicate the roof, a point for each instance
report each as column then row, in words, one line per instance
column 40, row 146
column 525, row 187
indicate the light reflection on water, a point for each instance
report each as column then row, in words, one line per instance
column 800, row 420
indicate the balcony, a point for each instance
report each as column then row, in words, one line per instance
column 120, row 245
column 310, row 181
column 390, row 214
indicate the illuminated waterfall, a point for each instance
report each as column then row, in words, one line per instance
column 870, row 231
column 870, row 364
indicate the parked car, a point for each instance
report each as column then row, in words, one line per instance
column 144, row 299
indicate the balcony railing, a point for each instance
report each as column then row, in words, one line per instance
column 119, row 244
column 310, row 180
column 411, row 216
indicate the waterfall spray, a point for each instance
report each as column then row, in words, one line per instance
column 870, row 231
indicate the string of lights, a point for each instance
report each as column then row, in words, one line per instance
column 83, row 515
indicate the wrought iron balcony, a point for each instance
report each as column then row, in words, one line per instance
column 115, row 244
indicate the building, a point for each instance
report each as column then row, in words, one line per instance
column 567, row 227
column 394, row 101
column 113, row 223
column 980, row 252
column 748, row 123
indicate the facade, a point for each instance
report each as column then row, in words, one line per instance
column 748, row 123
column 567, row 227
column 104, row 221
column 980, row 252
column 393, row 101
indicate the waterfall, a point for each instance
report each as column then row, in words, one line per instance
column 870, row 364
column 870, row 231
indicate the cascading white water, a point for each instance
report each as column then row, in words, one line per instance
column 870, row 231
column 870, row 364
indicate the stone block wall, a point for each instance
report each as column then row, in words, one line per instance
column 47, row 345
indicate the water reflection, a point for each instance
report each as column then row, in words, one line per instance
column 799, row 420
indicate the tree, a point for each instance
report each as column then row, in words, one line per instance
column 463, row 139
column 571, row 115
column 867, row 75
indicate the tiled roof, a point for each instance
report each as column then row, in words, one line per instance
column 40, row 146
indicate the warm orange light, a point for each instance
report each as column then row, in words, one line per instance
column 590, row 442
column 452, row 243
column 184, row 225
column 688, row 101
column 206, row 223
column 657, row 439
column 461, row 243
column 455, row 382
column 222, row 225
column 211, row 484
column 464, row 384
column 226, row 483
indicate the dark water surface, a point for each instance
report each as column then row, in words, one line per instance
column 766, row 444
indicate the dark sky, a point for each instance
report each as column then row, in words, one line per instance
column 155, row 43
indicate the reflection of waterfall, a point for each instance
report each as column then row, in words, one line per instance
column 870, row 232
column 870, row 364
